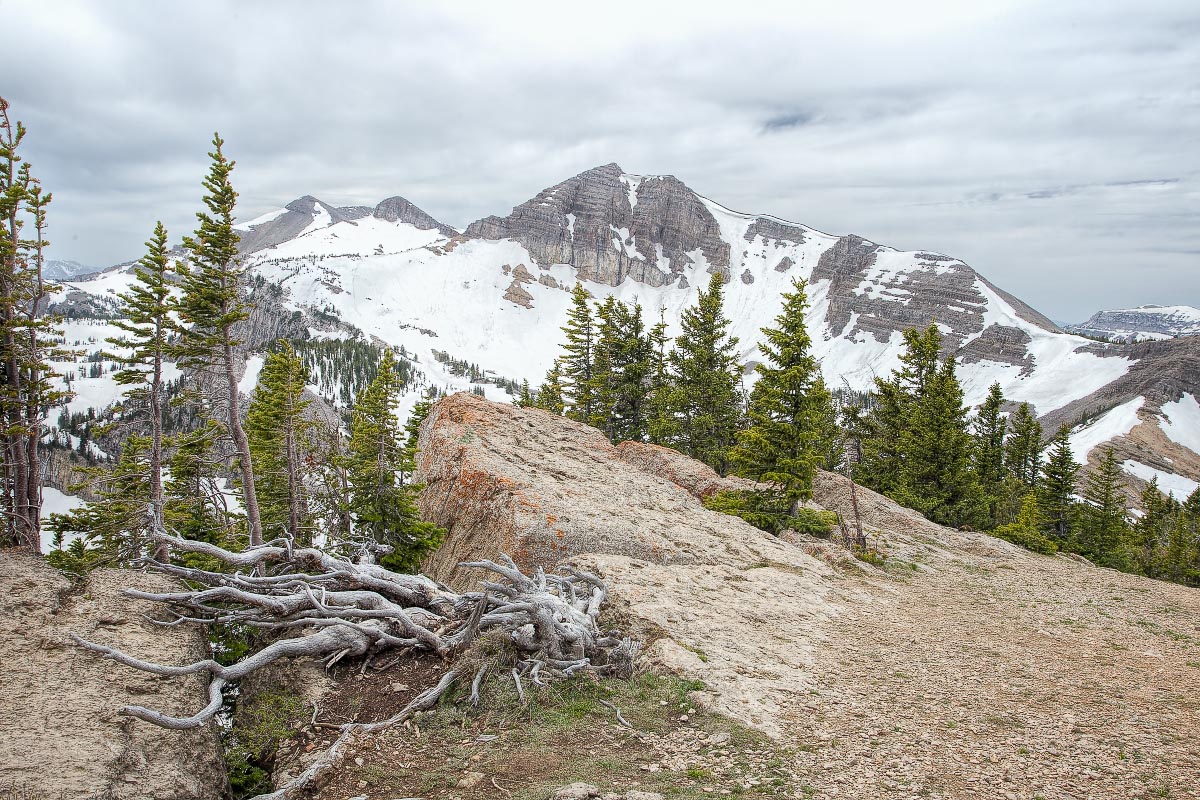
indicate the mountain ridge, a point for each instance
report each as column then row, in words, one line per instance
column 497, row 292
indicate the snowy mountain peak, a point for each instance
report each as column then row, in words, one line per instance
column 1142, row 323
column 398, row 209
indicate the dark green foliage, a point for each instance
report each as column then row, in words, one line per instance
column 772, row 511
column 1028, row 528
column 916, row 447
column 212, row 275
column 782, row 444
column 881, row 428
column 26, row 392
column 383, row 503
column 990, row 470
column 550, row 393
column 578, row 359
column 1023, row 448
column 1103, row 528
column 279, row 430
column 768, row 510
column 113, row 531
column 705, row 397
column 195, row 506
column 1057, row 486
column 211, row 305
column 661, row 426
column 341, row 368
column 620, row 372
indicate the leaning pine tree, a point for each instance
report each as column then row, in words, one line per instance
column 211, row 305
column 383, row 502
column 25, row 389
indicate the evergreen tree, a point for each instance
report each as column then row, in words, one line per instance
column 1023, row 449
column 195, row 505
column 706, row 398
column 550, row 393
column 25, row 331
column 830, row 444
column 383, row 503
column 578, row 360
column 882, row 429
column 412, row 432
column 620, row 372
column 1027, row 529
column 210, row 307
column 148, row 324
column 113, row 529
column 278, row 429
column 782, row 443
column 1104, row 527
column 661, row 426
column 1152, row 531
column 1057, row 486
column 935, row 474
column 990, row 428
column 525, row 398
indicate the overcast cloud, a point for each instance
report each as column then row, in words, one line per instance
column 1053, row 146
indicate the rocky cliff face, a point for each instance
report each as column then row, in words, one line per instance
column 397, row 209
column 546, row 490
column 1144, row 322
column 63, row 736
column 611, row 226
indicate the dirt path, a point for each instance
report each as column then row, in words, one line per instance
column 1010, row 676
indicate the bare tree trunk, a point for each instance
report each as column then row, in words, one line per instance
column 242, row 445
column 162, row 551
column 344, row 610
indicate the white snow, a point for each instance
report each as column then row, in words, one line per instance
column 55, row 502
column 632, row 182
column 1181, row 422
column 249, row 380
column 1168, row 482
column 1115, row 422
column 270, row 216
column 1063, row 372
column 571, row 225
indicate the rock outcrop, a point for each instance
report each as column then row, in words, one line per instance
column 740, row 607
column 611, row 226
column 63, row 736
column 397, row 209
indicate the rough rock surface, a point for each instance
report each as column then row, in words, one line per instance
column 397, row 209
column 959, row 666
column 610, row 226
column 59, row 707
column 741, row 607
column 1132, row 324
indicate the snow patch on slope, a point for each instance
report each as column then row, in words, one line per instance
column 1063, row 372
column 1168, row 482
column 1181, row 422
column 1115, row 422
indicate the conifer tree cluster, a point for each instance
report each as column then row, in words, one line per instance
column 26, row 393
column 625, row 379
column 635, row 384
column 294, row 476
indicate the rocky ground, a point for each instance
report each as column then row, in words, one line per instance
column 1017, row 677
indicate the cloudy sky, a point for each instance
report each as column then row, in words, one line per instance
column 1053, row 146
